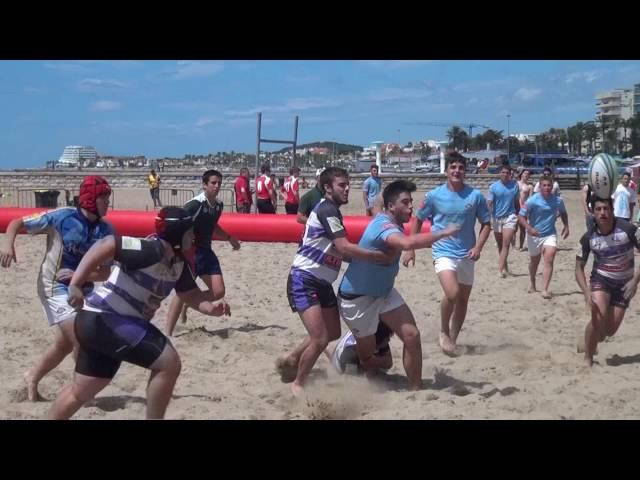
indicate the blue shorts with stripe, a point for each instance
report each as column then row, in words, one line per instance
column 304, row 291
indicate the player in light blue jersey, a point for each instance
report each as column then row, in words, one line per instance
column 70, row 234
column 503, row 203
column 371, row 189
column 367, row 295
column 454, row 257
column 538, row 217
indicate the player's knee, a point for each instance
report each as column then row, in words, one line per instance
column 411, row 338
column 320, row 342
column 79, row 395
column 452, row 294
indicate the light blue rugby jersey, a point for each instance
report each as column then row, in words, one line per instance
column 445, row 207
column 542, row 213
column 367, row 278
column 503, row 198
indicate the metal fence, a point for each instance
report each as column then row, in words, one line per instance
column 175, row 196
column 228, row 197
column 36, row 197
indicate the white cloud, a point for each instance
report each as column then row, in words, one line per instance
column 291, row 105
column 193, row 69
column 588, row 77
column 34, row 90
column 105, row 105
column 243, row 122
column 204, row 121
column 91, row 84
column 526, row 94
column 68, row 67
column 389, row 94
column 484, row 85
column 395, row 63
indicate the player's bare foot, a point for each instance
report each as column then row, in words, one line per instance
column 287, row 371
column 503, row 274
column 546, row 295
column 32, row 388
column 446, row 345
column 297, row 390
column 531, row 289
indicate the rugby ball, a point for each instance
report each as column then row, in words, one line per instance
column 603, row 175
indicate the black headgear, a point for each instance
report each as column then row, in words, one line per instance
column 171, row 225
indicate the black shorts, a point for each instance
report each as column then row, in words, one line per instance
column 265, row 206
column 244, row 208
column 106, row 340
column 304, row 291
column 291, row 208
column 614, row 289
column 207, row 262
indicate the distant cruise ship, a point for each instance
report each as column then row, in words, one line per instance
column 73, row 154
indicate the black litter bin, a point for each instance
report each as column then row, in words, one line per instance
column 46, row 198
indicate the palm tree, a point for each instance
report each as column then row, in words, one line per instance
column 454, row 135
column 493, row 138
column 591, row 134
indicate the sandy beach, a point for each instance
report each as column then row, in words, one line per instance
column 518, row 351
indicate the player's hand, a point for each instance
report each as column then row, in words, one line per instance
column 234, row 242
column 533, row 232
column 6, row 255
column 451, row 230
column 629, row 289
column 220, row 309
column 409, row 257
column 64, row 275
column 75, row 297
column 474, row 253
column 565, row 232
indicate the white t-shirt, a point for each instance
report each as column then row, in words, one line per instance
column 623, row 198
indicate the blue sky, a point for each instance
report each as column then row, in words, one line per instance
column 158, row 108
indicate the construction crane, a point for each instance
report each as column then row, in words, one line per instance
column 469, row 126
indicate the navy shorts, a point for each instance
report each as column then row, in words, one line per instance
column 614, row 289
column 207, row 262
column 304, row 291
column 106, row 340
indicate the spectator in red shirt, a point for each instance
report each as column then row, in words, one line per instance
column 243, row 192
column 265, row 193
column 290, row 191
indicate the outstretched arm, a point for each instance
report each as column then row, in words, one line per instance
column 8, row 252
column 410, row 255
column 420, row 240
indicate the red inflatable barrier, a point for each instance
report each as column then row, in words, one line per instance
column 245, row 227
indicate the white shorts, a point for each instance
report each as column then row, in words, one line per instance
column 464, row 268
column 362, row 314
column 57, row 309
column 501, row 223
column 535, row 244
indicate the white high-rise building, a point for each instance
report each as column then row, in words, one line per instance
column 74, row 154
column 612, row 106
column 615, row 104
